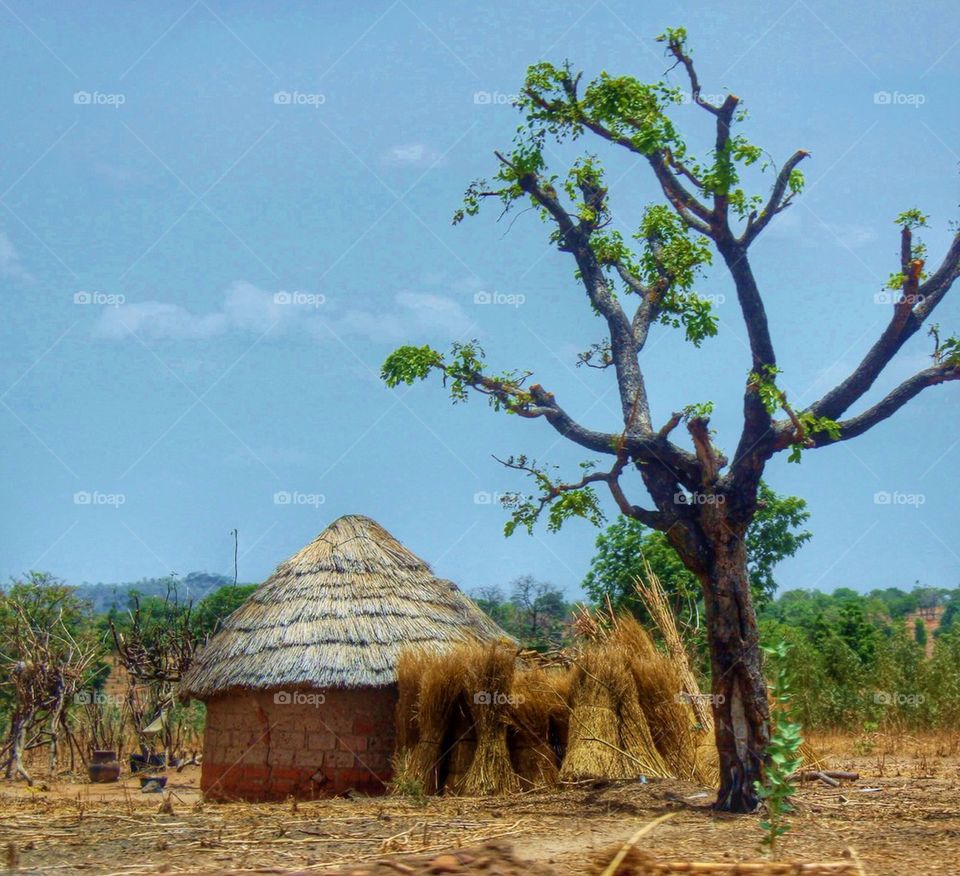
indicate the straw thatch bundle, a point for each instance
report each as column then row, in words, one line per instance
column 541, row 716
column 654, row 599
column 411, row 665
column 674, row 722
column 337, row 614
column 609, row 734
column 460, row 747
column 489, row 673
column 440, row 694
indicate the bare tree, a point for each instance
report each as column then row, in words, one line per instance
column 45, row 661
column 156, row 645
column 540, row 610
column 703, row 500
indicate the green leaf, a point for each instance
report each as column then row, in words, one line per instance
column 409, row 364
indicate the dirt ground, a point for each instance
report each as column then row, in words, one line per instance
column 901, row 817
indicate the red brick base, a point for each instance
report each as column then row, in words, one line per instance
column 305, row 744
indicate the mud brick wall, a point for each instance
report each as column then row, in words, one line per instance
column 301, row 743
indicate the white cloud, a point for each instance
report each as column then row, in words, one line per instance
column 246, row 309
column 412, row 153
column 434, row 313
column 10, row 265
column 853, row 236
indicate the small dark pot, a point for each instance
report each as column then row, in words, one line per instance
column 104, row 766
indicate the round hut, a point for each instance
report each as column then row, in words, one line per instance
column 300, row 682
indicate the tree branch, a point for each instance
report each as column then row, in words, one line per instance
column 904, row 323
column 694, row 213
column 653, row 519
column 776, row 203
column 576, row 240
column 889, row 405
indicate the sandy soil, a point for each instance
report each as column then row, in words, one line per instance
column 902, row 816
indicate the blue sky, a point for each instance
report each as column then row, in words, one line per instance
column 170, row 170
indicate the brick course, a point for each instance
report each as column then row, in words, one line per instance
column 258, row 747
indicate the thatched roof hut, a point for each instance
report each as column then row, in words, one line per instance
column 333, row 618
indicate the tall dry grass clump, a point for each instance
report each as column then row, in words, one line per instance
column 479, row 720
column 488, row 674
column 439, row 691
column 609, row 736
column 654, row 599
column 540, row 715
column 666, row 703
column 411, row 666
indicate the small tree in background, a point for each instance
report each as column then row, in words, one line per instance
column 155, row 643
column 48, row 653
column 540, row 612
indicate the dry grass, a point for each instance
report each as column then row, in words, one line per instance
column 904, row 821
column 488, row 671
column 411, row 665
column 609, row 734
column 541, row 708
column 440, row 690
column 675, row 726
column 479, row 721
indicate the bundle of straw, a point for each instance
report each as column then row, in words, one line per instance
column 488, row 671
column 411, row 666
column 440, row 687
column 669, row 714
column 609, row 734
column 652, row 595
column 532, row 752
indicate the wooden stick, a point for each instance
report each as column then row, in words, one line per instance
column 630, row 843
column 813, row 775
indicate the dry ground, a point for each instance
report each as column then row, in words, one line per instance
column 903, row 816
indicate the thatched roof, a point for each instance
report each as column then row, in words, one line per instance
column 337, row 614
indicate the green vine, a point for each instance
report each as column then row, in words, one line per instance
column 783, row 757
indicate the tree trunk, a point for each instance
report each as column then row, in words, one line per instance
column 740, row 708
column 54, row 729
column 18, row 741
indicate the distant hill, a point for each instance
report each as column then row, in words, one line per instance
column 193, row 586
